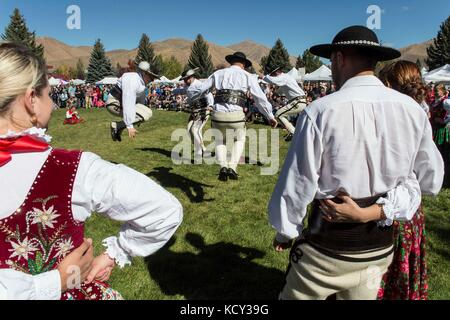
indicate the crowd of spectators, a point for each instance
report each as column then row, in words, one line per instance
column 81, row 96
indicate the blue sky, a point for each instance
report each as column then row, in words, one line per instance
column 299, row 23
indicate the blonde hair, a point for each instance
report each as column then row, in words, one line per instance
column 20, row 70
column 440, row 88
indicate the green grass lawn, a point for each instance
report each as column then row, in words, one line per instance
column 222, row 250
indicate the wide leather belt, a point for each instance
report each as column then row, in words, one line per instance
column 236, row 97
column 116, row 92
column 199, row 104
column 297, row 99
column 341, row 238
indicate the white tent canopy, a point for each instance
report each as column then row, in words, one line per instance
column 56, row 82
column 297, row 74
column 321, row 74
column 78, row 82
column 176, row 80
column 424, row 71
column 441, row 74
column 108, row 80
column 163, row 79
column 53, row 81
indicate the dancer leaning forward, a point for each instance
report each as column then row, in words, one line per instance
column 126, row 99
column 365, row 144
column 289, row 87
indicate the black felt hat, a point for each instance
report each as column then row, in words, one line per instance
column 238, row 57
column 357, row 37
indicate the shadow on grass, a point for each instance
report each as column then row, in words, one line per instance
column 221, row 271
column 441, row 233
column 164, row 152
column 168, row 154
column 446, row 184
column 194, row 190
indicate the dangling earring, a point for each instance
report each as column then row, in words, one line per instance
column 34, row 120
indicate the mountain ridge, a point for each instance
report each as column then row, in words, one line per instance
column 58, row 53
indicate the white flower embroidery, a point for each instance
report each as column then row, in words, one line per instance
column 22, row 249
column 64, row 247
column 45, row 217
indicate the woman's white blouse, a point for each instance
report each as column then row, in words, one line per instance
column 150, row 214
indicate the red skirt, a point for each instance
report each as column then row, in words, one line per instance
column 407, row 277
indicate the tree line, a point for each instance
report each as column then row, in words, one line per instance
column 100, row 65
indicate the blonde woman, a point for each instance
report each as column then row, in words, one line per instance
column 47, row 195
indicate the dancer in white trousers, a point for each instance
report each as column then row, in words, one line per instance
column 200, row 107
column 232, row 85
column 126, row 99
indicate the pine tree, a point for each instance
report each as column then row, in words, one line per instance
column 66, row 71
column 262, row 63
column 99, row 65
column 119, row 70
column 172, row 68
column 439, row 51
column 80, row 70
column 278, row 57
column 419, row 64
column 17, row 31
column 147, row 53
column 300, row 63
column 200, row 58
column 158, row 65
column 251, row 69
column 311, row 61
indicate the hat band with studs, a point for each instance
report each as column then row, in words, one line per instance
column 358, row 42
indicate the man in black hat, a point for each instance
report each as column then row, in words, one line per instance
column 200, row 106
column 288, row 86
column 232, row 85
column 126, row 99
column 358, row 143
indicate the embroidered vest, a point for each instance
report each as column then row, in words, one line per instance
column 42, row 232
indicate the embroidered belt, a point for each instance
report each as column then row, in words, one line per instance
column 301, row 99
column 116, row 92
column 236, row 97
column 199, row 105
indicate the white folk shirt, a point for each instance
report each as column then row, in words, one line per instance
column 235, row 78
column 287, row 85
column 150, row 214
column 193, row 92
column 363, row 140
column 133, row 91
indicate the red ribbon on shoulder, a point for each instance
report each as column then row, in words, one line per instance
column 19, row 145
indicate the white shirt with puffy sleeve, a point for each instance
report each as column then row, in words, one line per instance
column 287, row 85
column 150, row 215
column 133, row 91
column 364, row 140
column 236, row 78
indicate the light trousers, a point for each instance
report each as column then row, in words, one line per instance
column 195, row 129
column 291, row 109
column 143, row 113
column 313, row 275
column 231, row 125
